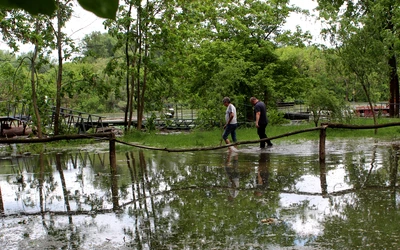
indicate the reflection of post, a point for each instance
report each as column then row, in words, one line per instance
column 232, row 172
column 322, row 166
column 322, row 138
column 114, row 188
column 1, row 202
column 262, row 173
column 64, row 186
column 322, row 177
column 263, row 170
column 113, row 161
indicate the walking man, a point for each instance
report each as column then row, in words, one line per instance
column 230, row 121
column 261, row 120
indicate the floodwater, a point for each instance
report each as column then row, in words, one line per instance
column 277, row 198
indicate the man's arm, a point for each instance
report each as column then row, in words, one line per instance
column 257, row 118
column 231, row 115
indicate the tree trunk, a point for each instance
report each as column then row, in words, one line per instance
column 139, row 65
column 59, row 73
column 128, row 65
column 127, row 84
column 33, row 85
column 146, row 69
column 394, row 77
column 132, row 93
column 394, row 87
column 370, row 105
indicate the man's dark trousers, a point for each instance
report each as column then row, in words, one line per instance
column 262, row 135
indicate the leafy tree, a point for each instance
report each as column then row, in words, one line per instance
column 11, row 79
column 85, row 83
column 144, row 31
column 98, row 45
column 322, row 102
column 235, row 53
column 376, row 21
column 19, row 26
column 363, row 57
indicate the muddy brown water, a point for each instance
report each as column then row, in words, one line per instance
column 278, row 198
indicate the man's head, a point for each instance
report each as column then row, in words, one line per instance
column 226, row 101
column 253, row 100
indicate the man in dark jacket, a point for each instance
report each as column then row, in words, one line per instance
column 261, row 120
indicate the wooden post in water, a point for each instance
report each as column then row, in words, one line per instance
column 322, row 166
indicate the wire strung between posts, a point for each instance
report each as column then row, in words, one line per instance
column 222, row 146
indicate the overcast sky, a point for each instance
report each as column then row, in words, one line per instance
column 84, row 22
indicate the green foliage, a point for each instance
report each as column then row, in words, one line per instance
column 322, row 102
column 197, row 52
column 102, row 8
column 12, row 79
column 98, row 45
column 150, row 122
column 276, row 118
column 34, row 7
column 365, row 34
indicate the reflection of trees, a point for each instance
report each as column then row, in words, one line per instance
column 190, row 210
column 362, row 171
column 367, row 213
column 362, row 222
column 64, row 186
column 144, row 233
column 181, row 198
column 289, row 170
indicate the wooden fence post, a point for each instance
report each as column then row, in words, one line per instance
column 322, row 166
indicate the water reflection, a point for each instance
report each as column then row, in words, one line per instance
column 231, row 168
column 158, row 200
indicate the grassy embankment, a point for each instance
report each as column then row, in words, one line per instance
column 208, row 138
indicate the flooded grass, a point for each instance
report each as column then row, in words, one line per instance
column 277, row 198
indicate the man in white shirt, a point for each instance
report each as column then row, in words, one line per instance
column 231, row 121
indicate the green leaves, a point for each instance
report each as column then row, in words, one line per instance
column 101, row 8
column 34, row 7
